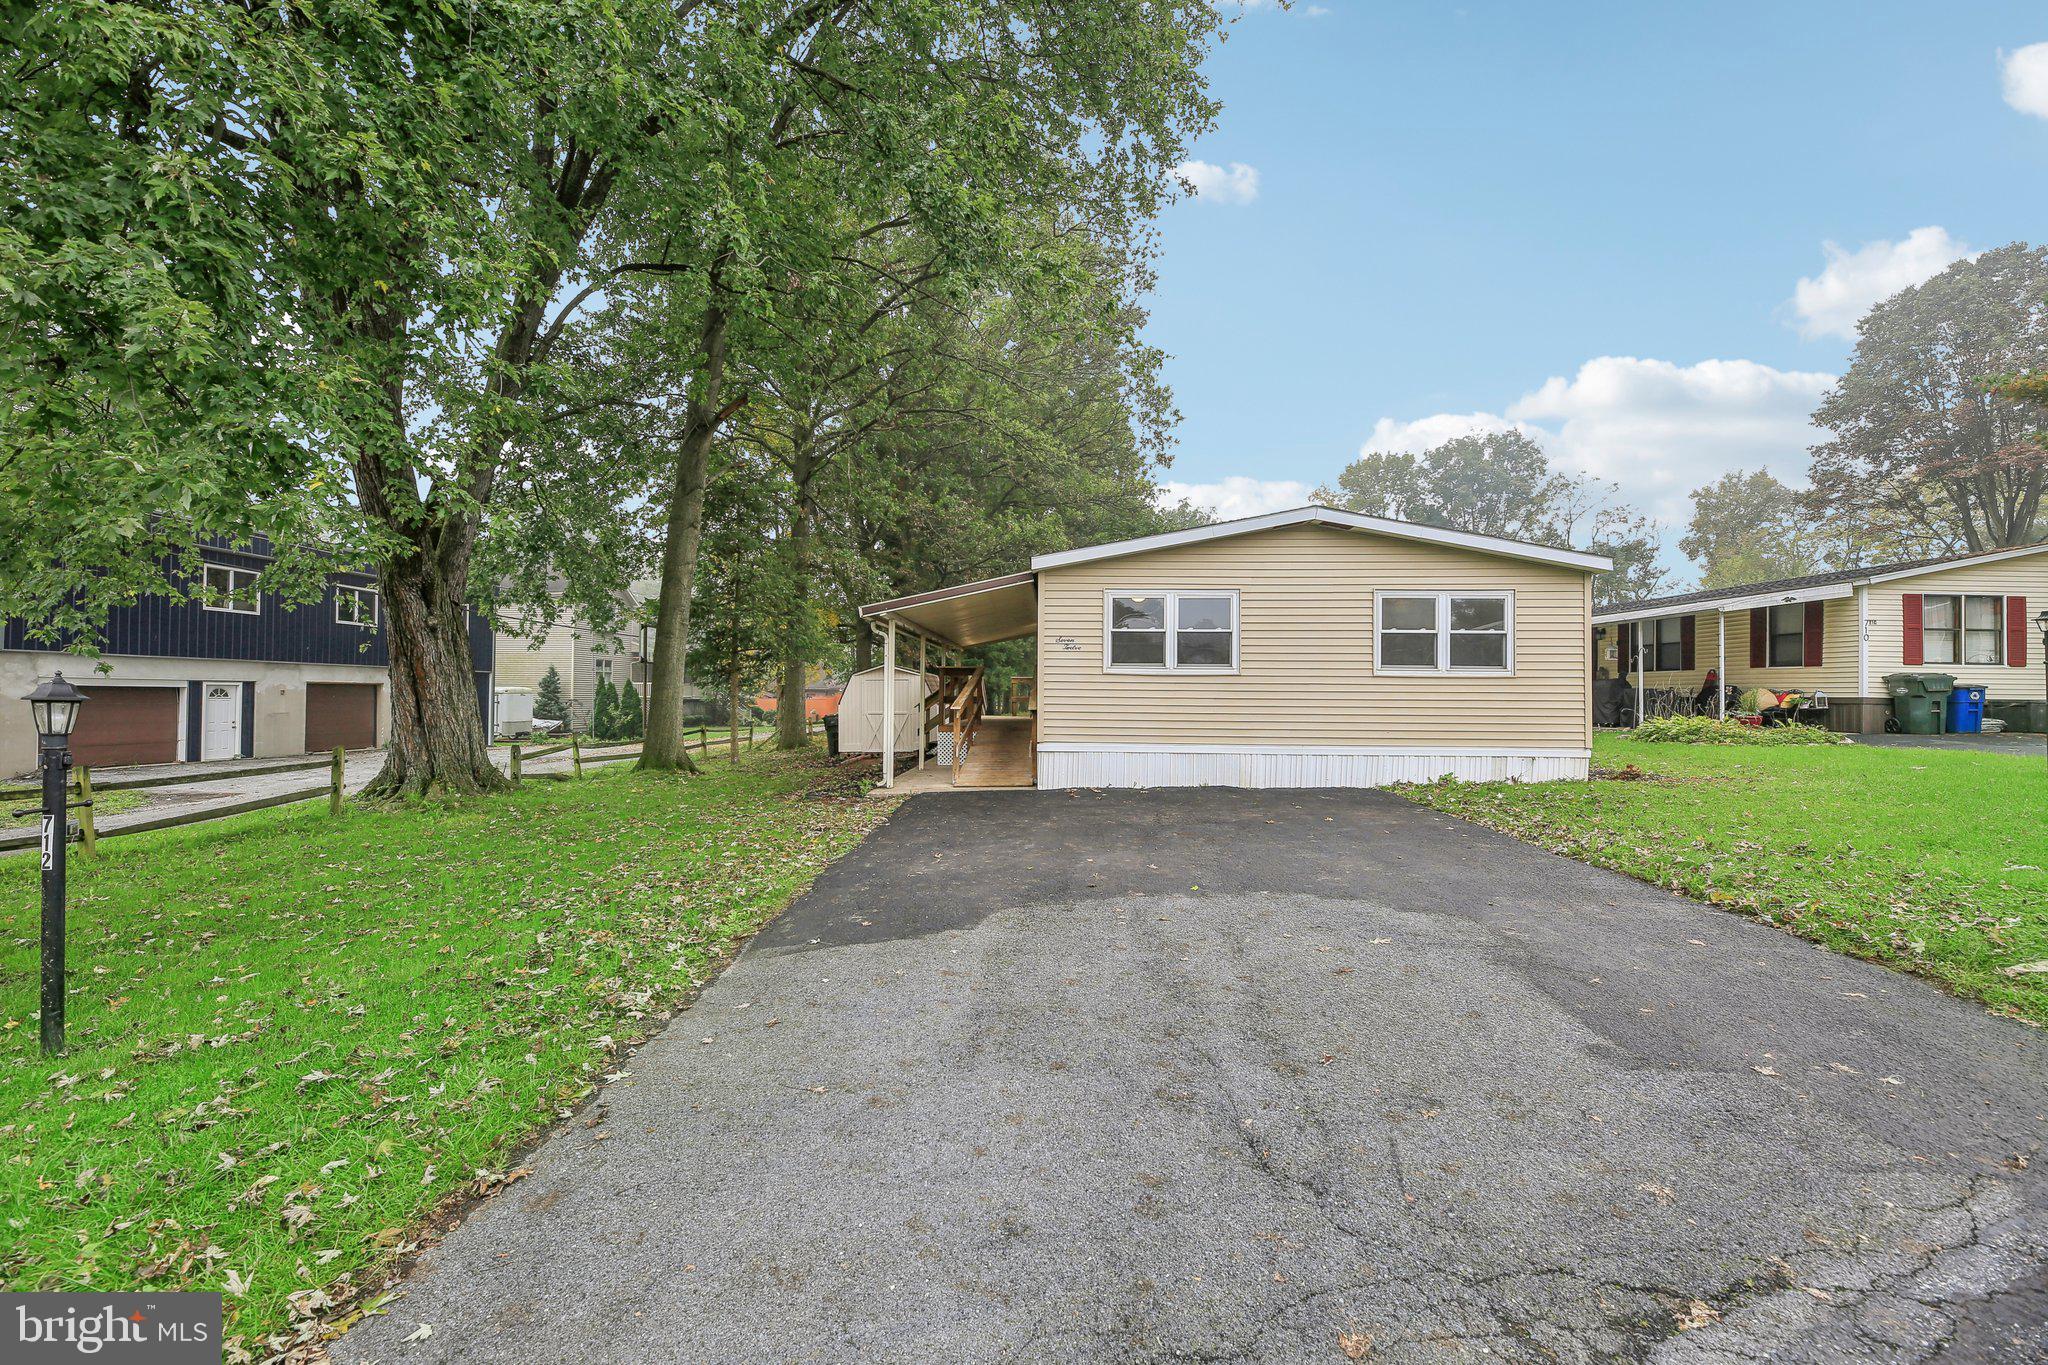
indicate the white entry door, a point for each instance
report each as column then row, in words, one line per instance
column 221, row 730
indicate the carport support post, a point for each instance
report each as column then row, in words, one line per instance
column 889, row 705
column 1721, row 671
column 1637, row 632
column 922, row 738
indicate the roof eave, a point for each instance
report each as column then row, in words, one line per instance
column 1329, row 516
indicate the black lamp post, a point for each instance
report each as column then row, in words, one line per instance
column 55, row 705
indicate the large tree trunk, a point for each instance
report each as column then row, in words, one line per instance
column 663, row 749
column 792, row 723
column 438, row 746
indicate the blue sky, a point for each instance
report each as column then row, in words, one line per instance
column 1589, row 219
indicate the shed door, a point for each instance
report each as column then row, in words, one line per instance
column 121, row 725
column 340, row 713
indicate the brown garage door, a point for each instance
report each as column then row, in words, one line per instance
column 340, row 713
column 119, row 725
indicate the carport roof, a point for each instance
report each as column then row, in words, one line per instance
column 977, row 613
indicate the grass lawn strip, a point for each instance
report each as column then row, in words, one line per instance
column 295, row 1036
column 1929, row 861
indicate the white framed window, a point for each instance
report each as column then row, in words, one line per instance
column 1444, row 632
column 230, row 589
column 1187, row 631
column 604, row 669
column 1787, row 625
column 354, row 606
column 1962, row 629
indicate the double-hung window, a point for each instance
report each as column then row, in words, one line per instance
column 1445, row 632
column 1788, row 635
column 355, row 606
column 230, row 589
column 1958, row 629
column 1186, row 632
column 1670, row 645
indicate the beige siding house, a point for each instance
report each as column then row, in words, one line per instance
column 528, row 648
column 1841, row 633
column 1310, row 648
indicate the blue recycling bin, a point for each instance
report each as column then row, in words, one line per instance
column 1966, row 710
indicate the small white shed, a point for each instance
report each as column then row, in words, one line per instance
column 860, row 711
column 512, row 709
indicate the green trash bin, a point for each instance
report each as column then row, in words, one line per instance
column 1920, row 700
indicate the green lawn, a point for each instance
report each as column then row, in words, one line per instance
column 1925, row 860
column 293, row 1036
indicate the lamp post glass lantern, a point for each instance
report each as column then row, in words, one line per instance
column 55, row 705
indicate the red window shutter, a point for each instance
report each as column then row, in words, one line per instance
column 1815, row 617
column 2016, row 627
column 1759, row 635
column 1686, row 641
column 1915, row 652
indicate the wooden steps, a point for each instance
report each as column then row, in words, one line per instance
column 1001, row 755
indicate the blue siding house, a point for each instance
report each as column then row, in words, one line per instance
column 240, row 675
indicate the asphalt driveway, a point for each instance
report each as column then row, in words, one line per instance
column 1268, row 1076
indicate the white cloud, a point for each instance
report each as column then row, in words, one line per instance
column 1831, row 303
column 1425, row 433
column 1239, row 496
column 1234, row 184
column 1658, row 429
column 2025, row 75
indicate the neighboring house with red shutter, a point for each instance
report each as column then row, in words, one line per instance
column 1841, row 632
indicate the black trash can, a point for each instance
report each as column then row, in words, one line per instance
column 831, row 724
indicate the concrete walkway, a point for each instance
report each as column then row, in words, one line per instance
column 1267, row 1076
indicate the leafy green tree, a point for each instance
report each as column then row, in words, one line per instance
column 743, row 594
column 404, row 228
column 1748, row 527
column 153, row 394
column 547, row 700
column 1502, row 484
column 1919, row 444
column 604, row 702
column 626, row 715
column 960, row 125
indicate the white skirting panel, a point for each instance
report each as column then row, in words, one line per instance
column 1074, row 765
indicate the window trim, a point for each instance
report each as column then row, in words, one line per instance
column 358, row 591
column 1960, row 632
column 1173, row 596
column 1676, row 642
column 1772, row 634
column 1506, row 596
column 601, row 668
column 206, row 566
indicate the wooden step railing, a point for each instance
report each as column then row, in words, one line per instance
column 967, row 714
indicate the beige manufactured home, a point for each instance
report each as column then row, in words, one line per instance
column 1307, row 648
column 1840, row 633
